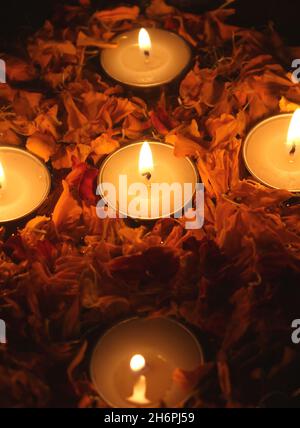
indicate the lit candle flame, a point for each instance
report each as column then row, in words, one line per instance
column 2, row 176
column 293, row 138
column 146, row 161
column 138, row 397
column 145, row 41
column 137, row 363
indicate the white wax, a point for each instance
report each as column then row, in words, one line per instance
column 165, row 344
column 26, row 184
column 267, row 157
column 167, row 169
column 169, row 56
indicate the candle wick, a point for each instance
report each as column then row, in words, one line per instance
column 147, row 56
column 148, row 175
column 293, row 149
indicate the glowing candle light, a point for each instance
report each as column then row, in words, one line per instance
column 145, row 44
column 293, row 138
column 149, row 163
column 2, row 177
column 138, row 397
column 137, row 363
column 133, row 363
column 139, row 392
column 146, row 58
column 24, row 183
column 146, row 161
column 271, row 152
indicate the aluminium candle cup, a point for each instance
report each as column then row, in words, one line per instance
column 27, row 184
column 164, row 343
column 167, row 169
column 170, row 56
column 266, row 154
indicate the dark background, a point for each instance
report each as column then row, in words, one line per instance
column 19, row 18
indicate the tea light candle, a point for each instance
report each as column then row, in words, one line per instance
column 24, row 183
column 133, row 363
column 146, row 58
column 272, row 152
column 150, row 163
